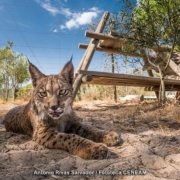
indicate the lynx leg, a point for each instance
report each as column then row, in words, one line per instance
column 71, row 143
column 94, row 134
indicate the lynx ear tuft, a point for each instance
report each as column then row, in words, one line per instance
column 71, row 58
column 35, row 73
column 28, row 60
column 68, row 71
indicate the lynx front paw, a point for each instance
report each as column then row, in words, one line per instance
column 111, row 139
column 96, row 151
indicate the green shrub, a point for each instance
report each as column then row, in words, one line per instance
column 25, row 92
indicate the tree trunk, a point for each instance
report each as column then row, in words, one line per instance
column 162, row 95
column 150, row 73
column 6, row 95
column 14, row 93
column 6, row 89
column 115, row 94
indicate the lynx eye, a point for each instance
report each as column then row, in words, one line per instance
column 62, row 91
column 44, row 94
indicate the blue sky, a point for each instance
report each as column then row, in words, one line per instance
column 48, row 31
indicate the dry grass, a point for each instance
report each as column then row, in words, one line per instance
column 135, row 117
column 99, row 92
column 17, row 102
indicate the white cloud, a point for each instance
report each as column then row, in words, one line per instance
column 62, row 27
column 55, row 30
column 71, row 23
column 51, row 9
column 95, row 9
column 66, row 11
column 79, row 19
column 46, row 4
column 74, row 20
column 86, row 17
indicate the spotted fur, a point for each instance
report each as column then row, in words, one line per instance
column 50, row 120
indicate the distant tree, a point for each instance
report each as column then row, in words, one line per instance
column 151, row 28
column 13, row 70
column 110, row 64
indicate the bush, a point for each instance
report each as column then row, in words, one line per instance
column 25, row 92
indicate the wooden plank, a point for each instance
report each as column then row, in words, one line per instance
column 109, row 50
column 86, row 59
column 120, row 39
column 124, row 80
column 113, row 42
column 110, row 44
column 167, row 88
column 104, row 81
column 126, row 76
column 117, row 83
column 102, row 36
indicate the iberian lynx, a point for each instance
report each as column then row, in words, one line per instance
column 50, row 120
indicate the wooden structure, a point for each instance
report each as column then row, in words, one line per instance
column 150, row 83
column 113, row 43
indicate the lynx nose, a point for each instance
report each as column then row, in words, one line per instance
column 54, row 107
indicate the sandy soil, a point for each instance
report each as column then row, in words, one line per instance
column 151, row 138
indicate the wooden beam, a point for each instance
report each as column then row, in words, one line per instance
column 161, row 48
column 102, row 36
column 167, row 88
column 128, row 77
column 118, row 83
column 149, row 86
column 86, row 78
column 109, row 50
column 86, row 59
column 121, row 39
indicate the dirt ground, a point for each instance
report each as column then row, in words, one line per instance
column 150, row 145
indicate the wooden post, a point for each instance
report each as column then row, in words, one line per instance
column 99, row 29
column 85, row 61
column 114, row 87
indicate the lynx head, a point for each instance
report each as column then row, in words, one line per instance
column 52, row 95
